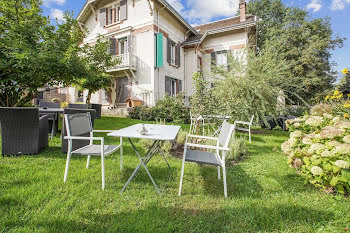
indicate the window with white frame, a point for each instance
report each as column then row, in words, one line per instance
column 173, row 53
column 221, row 58
column 112, row 14
column 123, row 45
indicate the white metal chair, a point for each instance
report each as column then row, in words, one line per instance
column 245, row 129
column 214, row 159
column 196, row 123
column 80, row 124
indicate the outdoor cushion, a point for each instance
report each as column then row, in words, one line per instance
column 202, row 157
column 95, row 150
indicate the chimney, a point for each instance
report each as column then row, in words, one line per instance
column 242, row 6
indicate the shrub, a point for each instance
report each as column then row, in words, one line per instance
column 181, row 137
column 319, row 148
column 238, row 148
column 170, row 109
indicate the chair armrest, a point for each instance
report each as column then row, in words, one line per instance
column 242, row 122
column 207, row 146
column 202, row 137
column 104, row 131
column 84, row 138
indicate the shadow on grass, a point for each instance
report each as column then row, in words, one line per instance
column 239, row 183
column 154, row 218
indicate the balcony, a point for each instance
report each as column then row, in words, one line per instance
column 127, row 61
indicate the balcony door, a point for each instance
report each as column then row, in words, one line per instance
column 123, row 46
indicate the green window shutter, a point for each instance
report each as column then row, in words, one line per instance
column 159, row 52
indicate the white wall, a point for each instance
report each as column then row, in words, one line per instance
column 176, row 32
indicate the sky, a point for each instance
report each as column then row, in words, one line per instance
column 202, row 11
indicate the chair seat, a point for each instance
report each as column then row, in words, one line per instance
column 202, row 157
column 95, row 150
column 242, row 129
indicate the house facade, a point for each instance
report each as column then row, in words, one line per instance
column 159, row 51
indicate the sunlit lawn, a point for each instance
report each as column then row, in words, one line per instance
column 265, row 195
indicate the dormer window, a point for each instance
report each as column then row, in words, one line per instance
column 113, row 13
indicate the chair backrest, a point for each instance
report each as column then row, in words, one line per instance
column 78, row 124
column 49, row 105
column 225, row 134
column 19, row 130
column 251, row 120
column 77, row 106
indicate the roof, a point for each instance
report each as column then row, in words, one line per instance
column 219, row 26
column 224, row 23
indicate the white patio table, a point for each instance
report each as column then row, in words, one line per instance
column 157, row 133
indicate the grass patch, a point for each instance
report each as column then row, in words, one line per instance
column 264, row 194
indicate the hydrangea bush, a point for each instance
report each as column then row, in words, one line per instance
column 319, row 148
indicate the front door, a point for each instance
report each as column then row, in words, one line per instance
column 122, row 90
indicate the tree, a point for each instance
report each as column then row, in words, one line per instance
column 33, row 52
column 96, row 60
column 306, row 44
column 344, row 85
column 251, row 86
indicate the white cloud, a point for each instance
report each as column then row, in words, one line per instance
column 203, row 11
column 58, row 2
column 339, row 4
column 315, row 5
column 57, row 14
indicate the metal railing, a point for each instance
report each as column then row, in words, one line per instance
column 126, row 61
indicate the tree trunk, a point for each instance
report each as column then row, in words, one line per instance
column 88, row 98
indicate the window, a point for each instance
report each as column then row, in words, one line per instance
column 221, row 58
column 123, row 45
column 112, row 15
column 173, row 53
column 173, row 86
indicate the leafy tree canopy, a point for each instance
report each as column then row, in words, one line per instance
column 33, row 52
column 305, row 43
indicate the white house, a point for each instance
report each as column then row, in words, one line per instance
column 160, row 51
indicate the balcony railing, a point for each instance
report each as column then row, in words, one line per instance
column 125, row 61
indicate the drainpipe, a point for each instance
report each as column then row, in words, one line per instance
column 184, row 61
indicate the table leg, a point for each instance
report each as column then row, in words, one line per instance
column 147, row 157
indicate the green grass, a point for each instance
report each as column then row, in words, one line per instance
column 265, row 195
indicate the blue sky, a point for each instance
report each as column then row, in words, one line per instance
column 202, row 11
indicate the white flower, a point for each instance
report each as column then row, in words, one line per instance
column 317, row 148
column 293, row 142
column 346, row 139
column 327, row 153
column 316, row 171
column 286, row 148
column 314, row 121
column 307, row 141
column 333, row 143
column 343, row 149
column 331, row 132
column 336, row 119
column 327, row 115
column 343, row 125
column 296, row 134
column 297, row 125
column 342, row 164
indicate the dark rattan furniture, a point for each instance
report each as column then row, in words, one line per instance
column 22, row 131
column 77, row 106
column 76, row 143
column 98, row 108
column 49, row 105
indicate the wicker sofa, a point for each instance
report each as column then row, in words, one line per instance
column 22, row 131
column 77, row 143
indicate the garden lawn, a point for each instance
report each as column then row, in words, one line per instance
column 264, row 194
